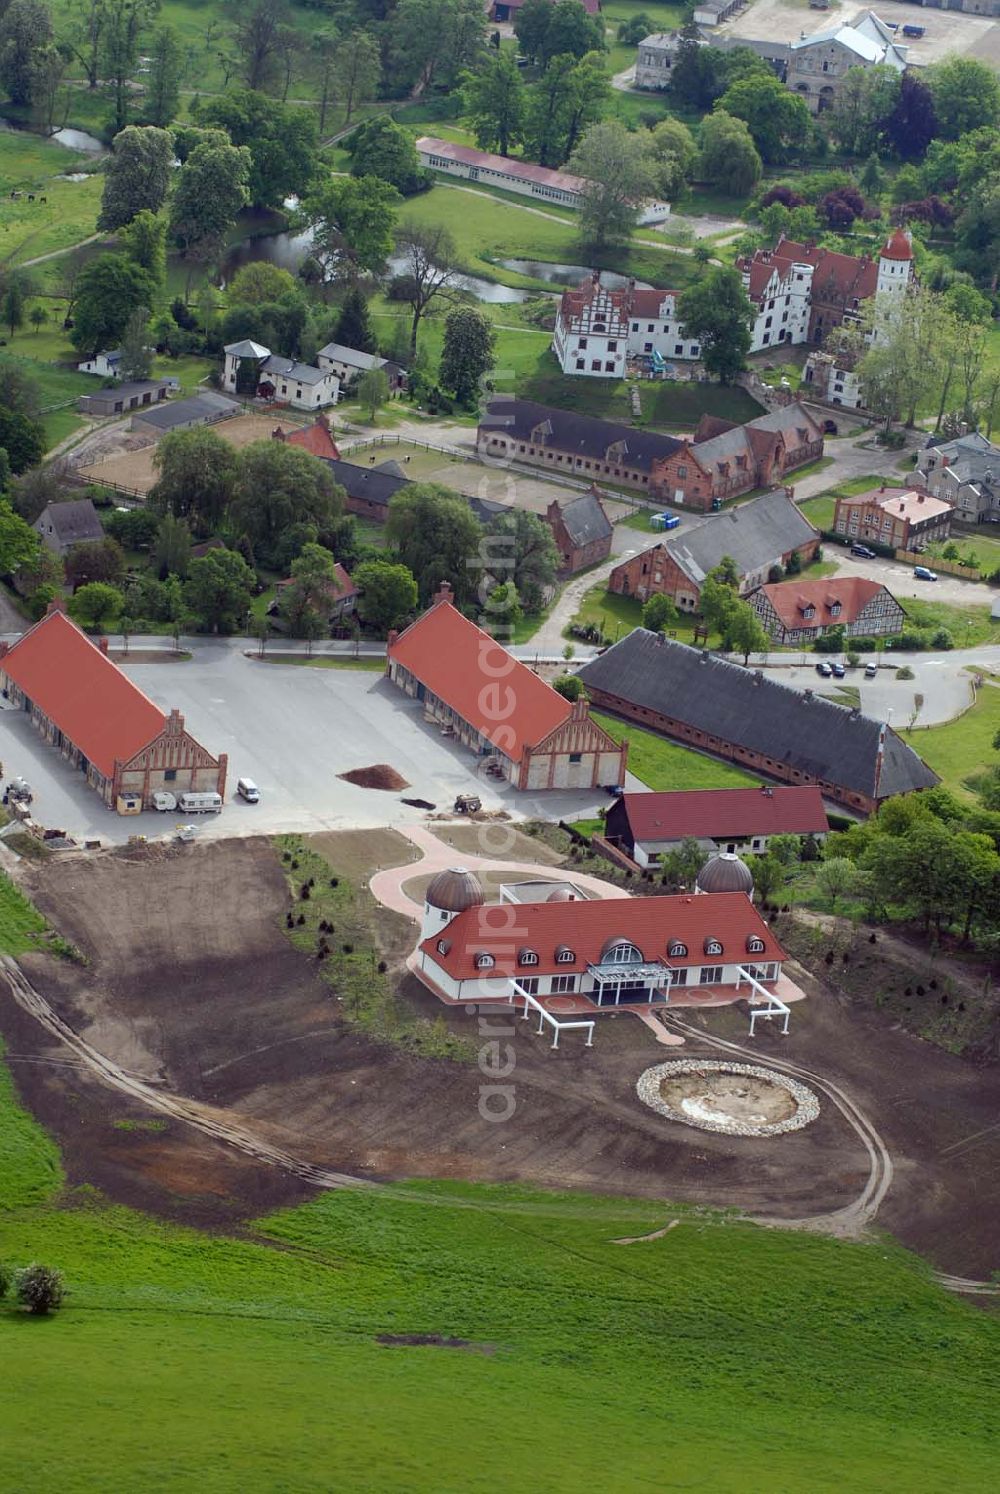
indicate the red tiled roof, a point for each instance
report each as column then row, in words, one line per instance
column 846, row 275
column 898, row 246
column 315, row 438
column 476, row 676
column 82, row 692
column 789, row 598
column 647, row 302
column 715, row 814
column 337, row 590
column 586, row 928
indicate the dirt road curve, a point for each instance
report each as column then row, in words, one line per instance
column 214, row 1123
column 850, row 1221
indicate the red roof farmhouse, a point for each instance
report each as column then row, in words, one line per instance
column 83, row 704
column 794, row 611
column 738, row 821
column 522, row 729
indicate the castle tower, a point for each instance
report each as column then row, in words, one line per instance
column 895, row 263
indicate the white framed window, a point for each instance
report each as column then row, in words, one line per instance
column 564, row 955
column 710, row 975
column 527, row 957
column 563, row 983
column 485, row 961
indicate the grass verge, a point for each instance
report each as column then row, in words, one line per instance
column 337, row 923
column 960, row 750
column 668, row 765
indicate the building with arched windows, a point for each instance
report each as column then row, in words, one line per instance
column 602, row 953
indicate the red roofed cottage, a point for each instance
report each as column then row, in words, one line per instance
column 83, row 704
column 522, row 729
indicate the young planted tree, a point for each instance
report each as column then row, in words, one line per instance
column 373, row 391
column 428, row 254
column 468, row 353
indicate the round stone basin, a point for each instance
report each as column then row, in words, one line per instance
column 736, row 1099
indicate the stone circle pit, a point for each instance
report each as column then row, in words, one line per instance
column 736, row 1099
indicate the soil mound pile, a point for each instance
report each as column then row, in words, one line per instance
column 378, row 776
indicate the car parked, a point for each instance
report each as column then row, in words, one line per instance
column 923, row 574
column 824, row 669
column 863, row 551
column 871, row 670
column 838, row 671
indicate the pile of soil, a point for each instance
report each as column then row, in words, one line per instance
column 378, row 776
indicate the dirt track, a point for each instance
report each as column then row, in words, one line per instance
column 193, row 987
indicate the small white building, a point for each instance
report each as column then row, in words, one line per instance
column 351, row 363
column 655, row 60
column 104, row 365
column 599, row 331
column 282, row 380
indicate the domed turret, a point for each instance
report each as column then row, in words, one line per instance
column 450, row 892
column 725, row 873
column 562, row 895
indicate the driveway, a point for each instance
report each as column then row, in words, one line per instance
column 292, row 730
column 901, row 581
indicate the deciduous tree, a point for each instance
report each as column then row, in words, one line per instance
column 197, row 478
column 136, row 175
column 777, row 118
column 521, row 550
column 281, row 140
column 494, row 99
column 25, row 33
column 659, row 613
column 428, row 254
column 166, row 69
column 718, row 313
column 352, row 221
column 619, row 174
column 218, row 590
column 468, row 353
column 729, row 158
column 435, row 535
column 278, row 486
column 388, row 594
column 96, row 605
column 966, row 94
column 124, row 26
column 144, row 241
column 357, row 71
column 19, row 544
column 382, row 148
column 373, row 391
column 211, row 189
column 110, row 288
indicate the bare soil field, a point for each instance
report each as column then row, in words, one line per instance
column 191, row 982
column 134, row 468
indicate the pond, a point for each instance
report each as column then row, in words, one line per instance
column 555, row 274
column 288, row 250
column 79, row 140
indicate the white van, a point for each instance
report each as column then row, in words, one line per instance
column 200, row 803
column 164, row 801
column 248, row 790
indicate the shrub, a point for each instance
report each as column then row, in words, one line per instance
column 942, row 639
column 6, row 1277
column 906, row 673
column 39, row 1289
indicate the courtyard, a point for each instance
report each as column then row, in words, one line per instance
column 129, row 462
column 947, row 31
column 293, row 731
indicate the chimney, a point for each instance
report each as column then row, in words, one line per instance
column 807, row 694
column 102, row 644
column 175, row 723
column 391, row 639
column 920, row 497
column 443, row 594
column 57, row 604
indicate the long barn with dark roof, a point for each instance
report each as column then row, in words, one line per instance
column 742, row 715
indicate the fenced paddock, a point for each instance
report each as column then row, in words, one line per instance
column 133, row 471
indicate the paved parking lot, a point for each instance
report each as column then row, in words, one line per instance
column 292, row 730
column 946, row 31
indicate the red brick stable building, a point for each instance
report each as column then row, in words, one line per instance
column 102, row 723
column 523, row 731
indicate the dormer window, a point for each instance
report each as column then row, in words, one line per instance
column 809, row 610
column 443, row 946
column 755, row 945
column 621, row 952
column 835, row 609
column 713, row 947
column 485, row 961
column 565, row 955
column 527, row 957
column 676, row 950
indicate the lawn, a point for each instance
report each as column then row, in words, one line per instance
column 985, row 549
column 322, row 661
column 260, row 1360
column 667, row 765
column 666, row 405
column 20, row 921
column 968, row 626
column 819, row 511
column 960, row 750
column 31, row 165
